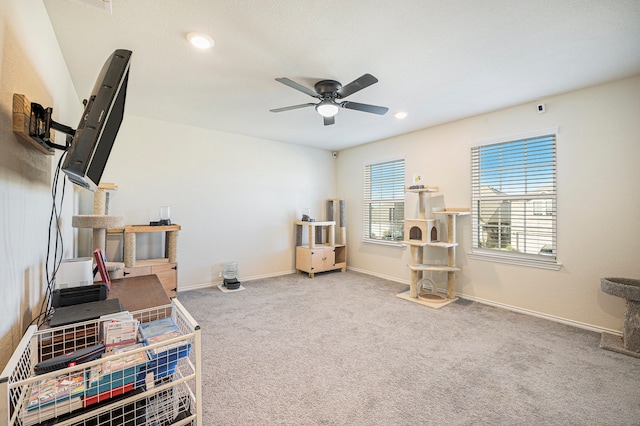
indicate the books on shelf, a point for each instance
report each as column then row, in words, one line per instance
column 100, row 263
column 162, row 338
column 54, row 390
column 108, row 394
column 120, row 368
column 158, row 331
column 43, row 414
column 122, row 358
column 119, row 330
column 163, row 360
column 158, row 328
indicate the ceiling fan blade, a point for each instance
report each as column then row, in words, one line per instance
column 329, row 120
column 297, row 86
column 365, row 107
column 356, row 85
column 292, row 107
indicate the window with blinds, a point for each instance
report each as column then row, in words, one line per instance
column 513, row 199
column 384, row 201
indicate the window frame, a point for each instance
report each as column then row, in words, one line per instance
column 539, row 260
column 397, row 196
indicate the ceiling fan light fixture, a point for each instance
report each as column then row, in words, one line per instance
column 327, row 108
column 328, row 91
column 200, row 40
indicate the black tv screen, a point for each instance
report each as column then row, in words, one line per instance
column 89, row 151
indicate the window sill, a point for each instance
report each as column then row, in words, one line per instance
column 516, row 260
column 389, row 243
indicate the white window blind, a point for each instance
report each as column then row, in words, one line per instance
column 384, row 201
column 514, row 199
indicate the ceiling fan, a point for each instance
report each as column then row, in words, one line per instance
column 329, row 92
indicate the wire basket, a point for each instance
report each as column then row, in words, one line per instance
column 146, row 384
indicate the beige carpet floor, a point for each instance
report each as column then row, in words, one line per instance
column 342, row 349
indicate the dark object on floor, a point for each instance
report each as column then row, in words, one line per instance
column 231, row 283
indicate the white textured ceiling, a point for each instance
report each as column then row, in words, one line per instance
column 437, row 60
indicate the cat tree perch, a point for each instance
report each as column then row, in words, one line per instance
column 100, row 221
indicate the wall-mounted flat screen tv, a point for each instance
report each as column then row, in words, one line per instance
column 87, row 156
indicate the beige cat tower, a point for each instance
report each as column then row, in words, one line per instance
column 425, row 232
column 100, row 221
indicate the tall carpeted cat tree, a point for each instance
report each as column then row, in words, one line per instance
column 100, row 221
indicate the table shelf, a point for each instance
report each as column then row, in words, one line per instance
column 166, row 268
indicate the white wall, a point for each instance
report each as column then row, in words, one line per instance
column 235, row 197
column 598, row 202
column 30, row 64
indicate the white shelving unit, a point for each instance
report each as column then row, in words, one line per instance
column 161, row 393
column 420, row 233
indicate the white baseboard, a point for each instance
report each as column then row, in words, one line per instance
column 554, row 318
column 275, row 274
column 217, row 282
column 530, row 312
column 385, row 277
column 199, row 286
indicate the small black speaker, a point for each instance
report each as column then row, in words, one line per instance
column 81, row 294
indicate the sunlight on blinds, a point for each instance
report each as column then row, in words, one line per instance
column 514, row 197
column 384, row 201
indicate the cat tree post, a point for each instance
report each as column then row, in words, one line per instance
column 417, row 254
column 451, row 256
column 100, row 221
column 342, row 227
column 172, row 246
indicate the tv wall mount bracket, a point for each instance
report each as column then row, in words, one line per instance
column 33, row 123
column 40, row 126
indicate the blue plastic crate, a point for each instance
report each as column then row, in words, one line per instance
column 164, row 359
column 117, row 372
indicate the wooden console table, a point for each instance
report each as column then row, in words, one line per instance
column 166, row 268
column 130, row 231
column 137, row 293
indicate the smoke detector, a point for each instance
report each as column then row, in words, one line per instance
column 100, row 4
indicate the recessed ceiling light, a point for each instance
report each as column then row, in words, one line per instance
column 400, row 115
column 200, row 40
